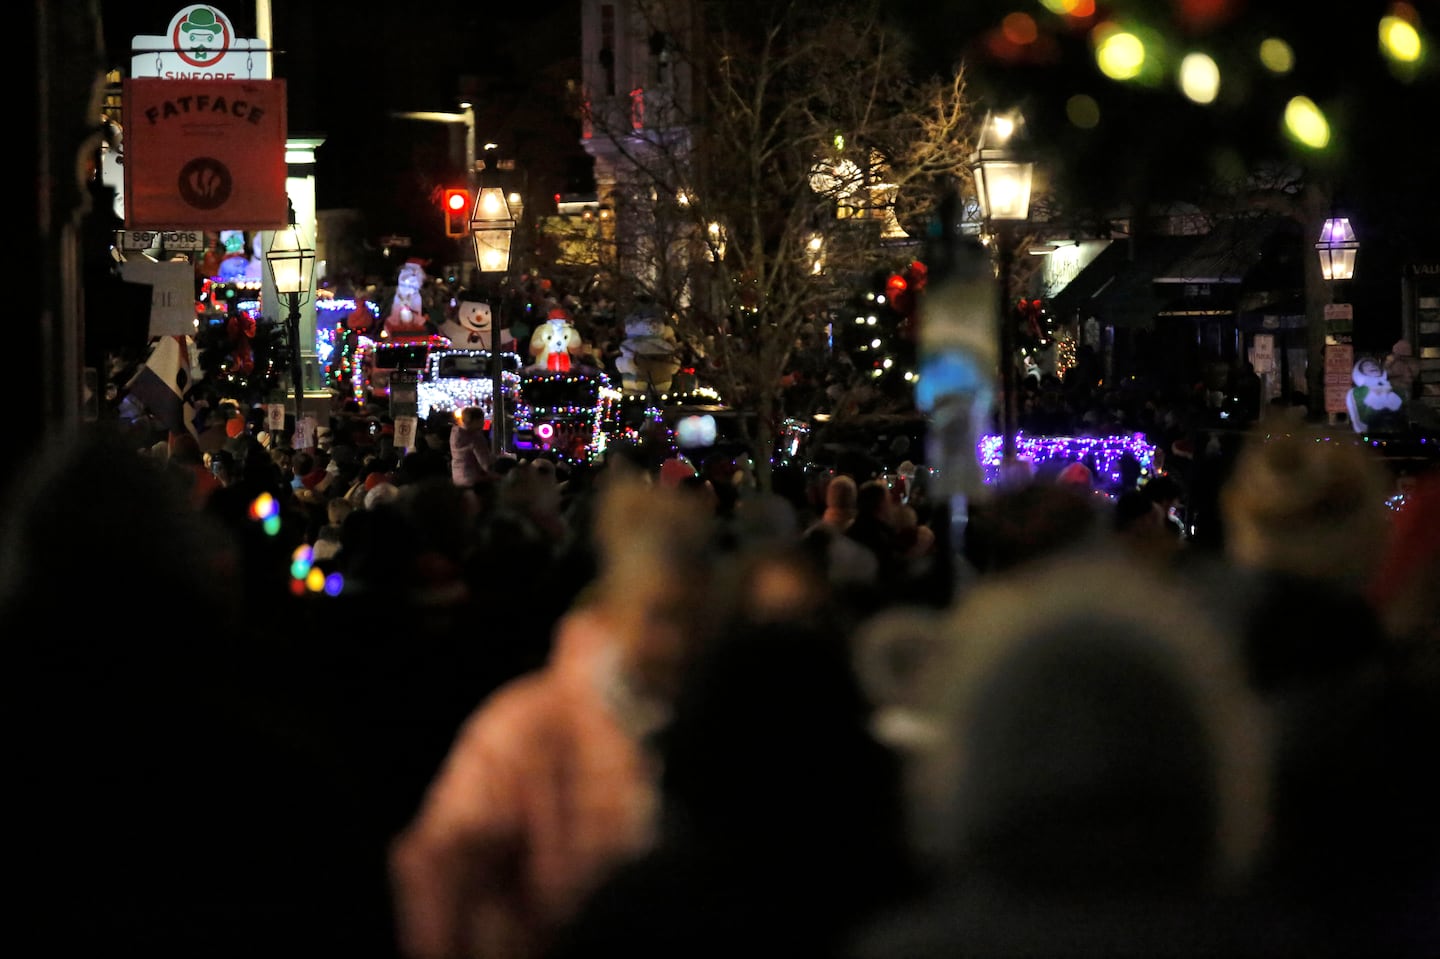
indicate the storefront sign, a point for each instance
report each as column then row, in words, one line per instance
column 174, row 241
column 200, row 44
column 205, row 154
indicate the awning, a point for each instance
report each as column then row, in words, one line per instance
column 1118, row 286
column 1199, row 276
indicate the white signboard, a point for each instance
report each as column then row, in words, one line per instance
column 200, row 44
column 172, row 295
column 1262, row 356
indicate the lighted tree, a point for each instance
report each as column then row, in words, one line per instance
column 752, row 208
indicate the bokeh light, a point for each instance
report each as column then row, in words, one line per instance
column 1019, row 29
column 1276, row 55
column 1306, row 124
column 1119, row 54
column 1399, row 40
column 1083, row 111
column 1199, row 78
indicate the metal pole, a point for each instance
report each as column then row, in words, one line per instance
column 297, row 372
column 1005, row 240
column 497, row 379
column 469, row 115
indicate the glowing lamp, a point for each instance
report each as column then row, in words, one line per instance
column 1337, row 249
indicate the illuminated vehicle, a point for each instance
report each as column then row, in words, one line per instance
column 454, row 379
column 569, row 417
column 376, row 360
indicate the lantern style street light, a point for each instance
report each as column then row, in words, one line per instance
column 492, row 225
column 1337, row 249
column 292, row 266
column 1002, row 185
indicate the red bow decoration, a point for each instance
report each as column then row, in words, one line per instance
column 240, row 330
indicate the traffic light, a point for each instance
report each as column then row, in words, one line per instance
column 456, row 204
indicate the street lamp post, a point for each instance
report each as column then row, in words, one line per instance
column 1002, row 186
column 492, row 225
column 1337, row 249
column 292, row 265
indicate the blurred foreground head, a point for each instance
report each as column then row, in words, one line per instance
column 107, row 537
column 1307, row 506
column 1083, row 729
column 657, row 551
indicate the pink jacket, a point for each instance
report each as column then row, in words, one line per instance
column 541, row 792
column 469, row 455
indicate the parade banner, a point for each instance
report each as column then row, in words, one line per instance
column 205, row 154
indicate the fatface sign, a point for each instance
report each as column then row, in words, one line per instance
column 205, row 154
column 200, row 44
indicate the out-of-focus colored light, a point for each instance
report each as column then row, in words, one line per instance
column 1070, row 8
column 1119, row 54
column 1276, row 55
column 1082, row 111
column 1019, row 29
column 334, row 584
column 301, row 561
column 1199, row 78
column 315, row 579
column 1306, row 123
column 263, row 507
column 1399, row 40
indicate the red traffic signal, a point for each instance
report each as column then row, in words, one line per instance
column 456, row 204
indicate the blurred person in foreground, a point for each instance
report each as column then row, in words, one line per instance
column 550, row 782
column 1084, row 766
column 782, row 822
column 184, row 798
column 1354, row 853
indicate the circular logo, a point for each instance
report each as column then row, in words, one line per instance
column 205, row 183
column 200, row 35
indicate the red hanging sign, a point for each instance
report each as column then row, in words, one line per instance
column 205, row 154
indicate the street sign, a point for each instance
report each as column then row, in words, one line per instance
column 176, row 241
column 1263, row 357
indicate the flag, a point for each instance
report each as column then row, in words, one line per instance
column 163, row 383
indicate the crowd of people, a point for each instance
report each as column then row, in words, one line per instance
column 646, row 707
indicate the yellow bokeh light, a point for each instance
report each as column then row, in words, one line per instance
column 1399, row 40
column 1199, row 78
column 1082, row 111
column 1276, row 55
column 1119, row 54
column 1306, row 123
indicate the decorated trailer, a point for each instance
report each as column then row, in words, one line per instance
column 569, row 416
column 454, row 379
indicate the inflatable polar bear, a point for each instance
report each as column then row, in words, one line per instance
column 649, row 355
